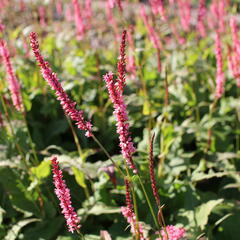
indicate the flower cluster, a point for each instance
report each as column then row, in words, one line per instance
column 63, row 194
column 128, row 213
column 121, row 116
column 121, row 66
column 234, row 51
column 152, row 34
column 78, row 19
column 184, row 7
column 158, row 8
column 14, row 85
column 200, row 19
column 220, row 79
column 173, row 233
column 67, row 104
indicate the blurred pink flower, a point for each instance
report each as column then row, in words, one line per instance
column 158, row 8
column 200, row 20
column 42, row 15
column 184, row 7
column 14, row 85
column 67, row 104
column 220, row 79
column 78, row 19
column 63, row 194
column 152, row 34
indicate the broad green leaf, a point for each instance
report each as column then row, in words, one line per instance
column 101, row 208
column 42, row 170
column 79, row 176
column 16, row 228
column 204, row 210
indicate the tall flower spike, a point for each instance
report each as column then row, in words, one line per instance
column 220, row 79
column 200, row 19
column 121, row 117
column 14, row 85
column 128, row 213
column 63, row 194
column 121, row 66
column 80, row 28
column 67, row 104
column 152, row 176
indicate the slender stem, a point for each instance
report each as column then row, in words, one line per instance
column 80, row 153
column 212, row 108
column 79, row 149
column 149, row 203
column 134, row 197
column 36, row 161
column 107, row 154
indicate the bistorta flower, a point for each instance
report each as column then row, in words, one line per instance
column 63, row 194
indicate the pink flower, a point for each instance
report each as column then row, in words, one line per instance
column 59, row 7
column 42, row 15
column 67, row 104
column 68, row 13
column 158, row 8
column 128, row 213
column 63, row 194
column 174, row 233
column 78, row 19
column 220, row 79
column 111, row 19
column 200, row 20
column 14, row 85
column 121, row 116
column 88, row 9
column 152, row 34
column 121, row 65
column 119, row 3
column 184, row 7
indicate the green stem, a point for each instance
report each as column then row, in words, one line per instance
column 36, row 161
column 79, row 149
column 107, row 154
column 149, row 203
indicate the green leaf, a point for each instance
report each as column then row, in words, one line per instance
column 79, row 176
column 42, row 170
column 204, row 211
column 2, row 211
column 14, row 231
column 27, row 102
column 101, row 208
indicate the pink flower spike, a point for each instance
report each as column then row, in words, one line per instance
column 121, row 116
column 63, row 194
column 174, row 233
column 128, row 213
column 152, row 33
column 80, row 28
column 200, row 20
column 121, row 66
column 14, row 85
column 220, row 79
column 67, row 104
